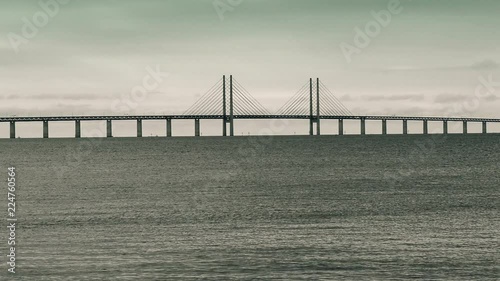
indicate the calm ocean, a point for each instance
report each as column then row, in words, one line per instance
column 255, row 208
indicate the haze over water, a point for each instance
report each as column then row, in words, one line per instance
column 246, row 208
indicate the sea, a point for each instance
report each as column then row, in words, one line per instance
column 373, row 207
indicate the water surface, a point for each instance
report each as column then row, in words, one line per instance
column 247, row 208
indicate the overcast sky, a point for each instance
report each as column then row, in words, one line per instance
column 429, row 56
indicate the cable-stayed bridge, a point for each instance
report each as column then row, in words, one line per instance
column 228, row 100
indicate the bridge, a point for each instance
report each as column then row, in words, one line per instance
column 228, row 100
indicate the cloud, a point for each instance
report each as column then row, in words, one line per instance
column 486, row 64
column 402, row 97
column 450, row 98
column 59, row 97
column 383, row 98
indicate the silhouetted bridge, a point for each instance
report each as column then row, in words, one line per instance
column 228, row 100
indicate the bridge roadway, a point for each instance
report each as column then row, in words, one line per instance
column 163, row 117
column 230, row 118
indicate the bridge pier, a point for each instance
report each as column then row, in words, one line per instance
column 109, row 129
column 426, row 127
column 45, row 129
column 196, row 127
column 485, row 127
column 405, row 127
column 363, row 126
column 465, row 127
column 77, row 129
column 384, row 127
column 231, row 127
column 12, row 129
column 139, row 128
column 225, row 121
column 169, row 127
column 445, row 127
column 341, row 127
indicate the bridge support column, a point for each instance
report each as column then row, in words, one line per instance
column 341, row 127
column 231, row 116
column 405, row 127
column 139, row 128
column 311, row 120
column 426, row 127
column 363, row 126
column 445, row 127
column 224, row 118
column 77, row 129
column 465, row 127
column 318, row 123
column 196, row 127
column 169, row 127
column 384, row 127
column 45, row 129
column 12, row 129
column 485, row 127
column 109, row 129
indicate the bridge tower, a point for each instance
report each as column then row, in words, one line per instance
column 231, row 117
column 227, row 118
column 314, row 118
column 224, row 117
column 312, row 101
column 236, row 102
column 311, row 119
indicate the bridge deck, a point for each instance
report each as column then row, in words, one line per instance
column 162, row 117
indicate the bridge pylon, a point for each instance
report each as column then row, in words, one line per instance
column 236, row 102
column 227, row 119
column 314, row 117
column 318, row 102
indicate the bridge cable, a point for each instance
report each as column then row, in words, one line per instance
column 203, row 96
column 252, row 109
column 249, row 108
column 337, row 106
column 291, row 104
column 205, row 103
column 342, row 106
column 202, row 102
column 290, row 101
column 211, row 105
column 254, row 100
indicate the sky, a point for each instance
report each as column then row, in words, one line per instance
column 85, row 56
